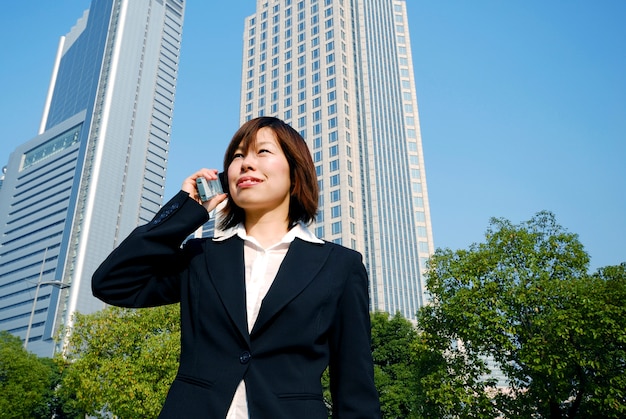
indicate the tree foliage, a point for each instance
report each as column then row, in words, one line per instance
column 523, row 300
column 394, row 344
column 121, row 361
column 26, row 381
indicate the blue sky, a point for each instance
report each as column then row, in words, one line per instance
column 522, row 105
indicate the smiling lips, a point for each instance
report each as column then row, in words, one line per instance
column 248, row 181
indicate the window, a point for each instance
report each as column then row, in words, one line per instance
column 336, row 227
column 51, row 147
column 333, row 151
column 335, row 212
column 416, row 187
column 333, row 165
column 319, row 231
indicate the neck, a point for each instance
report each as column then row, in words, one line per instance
column 267, row 229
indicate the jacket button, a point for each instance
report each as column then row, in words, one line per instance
column 244, row 358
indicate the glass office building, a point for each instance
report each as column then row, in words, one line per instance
column 340, row 72
column 97, row 168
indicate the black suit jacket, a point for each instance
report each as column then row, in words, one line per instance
column 314, row 315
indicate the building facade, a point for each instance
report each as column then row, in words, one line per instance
column 341, row 73
column 97, row 168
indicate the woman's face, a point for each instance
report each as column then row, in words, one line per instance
column 259, row 178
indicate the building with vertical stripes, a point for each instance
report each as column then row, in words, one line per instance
column 340, row 72
column 95, row 170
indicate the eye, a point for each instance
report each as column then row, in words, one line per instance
column 237, row 155
column 264, row 150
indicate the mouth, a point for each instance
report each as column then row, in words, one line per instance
column 248, row 181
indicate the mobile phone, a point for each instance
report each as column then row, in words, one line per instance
column 208, row 189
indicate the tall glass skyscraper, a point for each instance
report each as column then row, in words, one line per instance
column 97, row 168
column 340, row 72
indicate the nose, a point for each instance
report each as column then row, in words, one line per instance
column 248, row 162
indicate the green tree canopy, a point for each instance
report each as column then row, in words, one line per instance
column 121, row 361
column 26, row 381
column 394, row 344
column 523, row 300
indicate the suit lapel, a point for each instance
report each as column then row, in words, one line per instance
column 226, row 270
column 301, row 264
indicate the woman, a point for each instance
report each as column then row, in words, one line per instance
column 266, row 306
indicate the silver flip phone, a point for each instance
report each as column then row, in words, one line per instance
column 208, row 189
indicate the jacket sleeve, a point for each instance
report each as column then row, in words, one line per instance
column 351, row 367
column 144, row 270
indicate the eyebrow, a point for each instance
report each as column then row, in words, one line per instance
column 257, row 144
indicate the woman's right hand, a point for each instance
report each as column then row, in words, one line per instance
column 189, row 186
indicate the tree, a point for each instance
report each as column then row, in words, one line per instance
column 121, row 361
column 26, row 381
column 394, row 341
column 524, row 301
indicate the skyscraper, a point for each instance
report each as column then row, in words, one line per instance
column 97, row 168
column 340, row 72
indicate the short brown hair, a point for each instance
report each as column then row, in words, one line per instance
column 304, row 192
